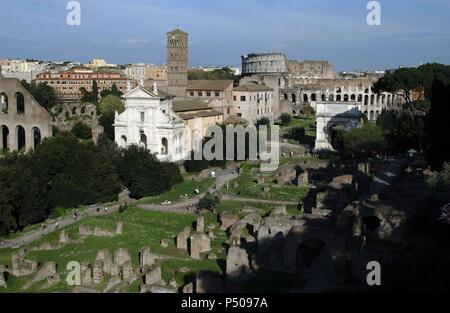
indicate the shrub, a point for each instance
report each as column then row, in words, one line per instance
column 82, row 131
column 297, row 133
column 285, row 119
column 209, row 201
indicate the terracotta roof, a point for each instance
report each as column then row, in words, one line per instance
column 235, row 120
column 253, row 87
column 189, row 105
column 211, row 85
column 189, row 116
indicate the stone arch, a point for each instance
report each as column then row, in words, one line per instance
column 346, row 97
column 353, row 97
column 313, row 97
column 164, row 146
column 366, row 91
column 366, row 100
column 371, row 115
column 372, row 99
column 324, row 97
column 338, row 98
column 4, row 102
column 294, row 98
column 37, row 136
column 143, row 141
column 389, row 100
column 123, row 141
column 4, row 137
column 20, row 138
column 377, row 113
column 331, row 97
column 286, row 96
column 366, row 113
column 20, row 103
column 360, row 98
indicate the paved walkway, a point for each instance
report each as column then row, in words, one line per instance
column 261, row 201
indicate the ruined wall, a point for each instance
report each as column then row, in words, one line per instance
column 311, row 69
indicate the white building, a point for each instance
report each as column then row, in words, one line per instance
column 149, row 121
column 253, row 101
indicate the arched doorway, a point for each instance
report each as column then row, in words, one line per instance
column 20, row 103
column 20, row 138
column 4, row 102
column 37, row 138
column 338, row 98
column 353, row 97
column 164, row 146
column 346, row 98
column 5, row 137
column 313, row 97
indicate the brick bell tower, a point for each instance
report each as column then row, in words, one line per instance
column 177, row 63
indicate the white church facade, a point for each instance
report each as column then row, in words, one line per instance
column 149, row 121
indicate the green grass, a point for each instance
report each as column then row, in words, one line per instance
column 141, row 228
column 306, row 122
column 249, row 188
column 186, row 187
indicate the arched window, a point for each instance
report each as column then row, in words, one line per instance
column 83, row 110
column 372, row 99
column 366, row 100
column 20, row 138
column 165, row 146
column 4, row 102
column 331, row 97
column 36, row 137
column 346, row 98
column 20, row 103
column 338, row 98
column 123, row 141
column 324, row 97
column 144, row 141
column 353, row 97
column 305, row 98
column 377, row 113
column 4, row 137
column 313, row 97
column 359, row 98
column 371, row 116
column 294, row 98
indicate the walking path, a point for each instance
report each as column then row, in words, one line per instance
column 261, row 201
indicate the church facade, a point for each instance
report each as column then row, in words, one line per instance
column 149, row 121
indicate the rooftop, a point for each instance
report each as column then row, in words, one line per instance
column 209, row 84
column 253, row 87
column 189, row 105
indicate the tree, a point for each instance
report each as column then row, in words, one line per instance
column 86, row 96
column 263, row 121
column 110, row 104
column 365, row 141
column 82, row 131
column 209, row 201
column 42, row 93
column 297, row 133
column 142, row 173
column 285, row 119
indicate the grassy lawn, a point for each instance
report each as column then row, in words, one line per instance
column 249, row 188
column 308, row 123
column 186, row 187
column 141, row 228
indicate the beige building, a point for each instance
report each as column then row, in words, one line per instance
column 68, row 84
column 217, row 94
column 196, row 114
column 147, row 71
column 253, row 101
column 23, row 121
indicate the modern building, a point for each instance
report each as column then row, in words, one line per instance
column 177, row 63
column 68, row 84
column 23, row 121
column 149, row 121
column 253, row 101
column 217, row 94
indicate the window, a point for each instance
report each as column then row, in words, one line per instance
column 200, row 94
column 234, row 98
column 217, row 94
column 191, row 93
column 243, row 98
column 142, row 116
column 239, row 114
column 208, row 94
column 228, row 111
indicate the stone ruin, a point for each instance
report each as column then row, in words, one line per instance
column 200, row 225
column 85, row 230
column 237, row 265
column 182, row 239
column 199, row 243
column 285, row 175
column 64, row 237
column 22, row 266
column 46, row 271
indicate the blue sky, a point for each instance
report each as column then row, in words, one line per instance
column 126, row 31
